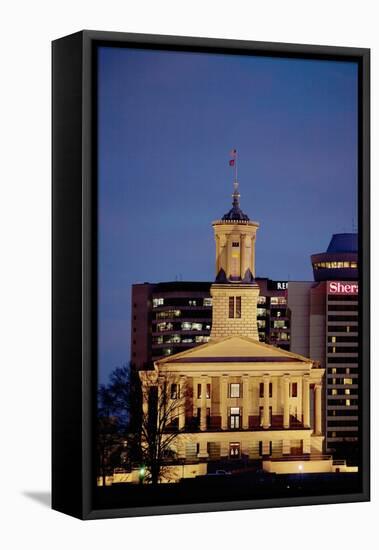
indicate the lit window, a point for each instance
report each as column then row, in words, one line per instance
column 347, row 402
column 186, row 326
column 235, row 307
column 333, row 339
column 234, row 390
column 192, row 302
column 158, row 302
column 334, row 434
column 238, row 307
column 174, row 391
column 347, row 380
column 196, row 326
column 334, row 391
column 201, row 339
column 207, row 302
column 334, row 370
column 347, row 392
column 262, row 300
column 231, row 307
column 274, row 300
column 234, row 421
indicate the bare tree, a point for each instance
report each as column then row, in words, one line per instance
column 109, row 435
column 164, row 400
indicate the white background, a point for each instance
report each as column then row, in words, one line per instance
column 27, row 29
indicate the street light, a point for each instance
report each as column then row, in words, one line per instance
column 142, row 472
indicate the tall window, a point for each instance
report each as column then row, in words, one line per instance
column 238, row 307
column 235, row 307
column 294, row 389
column 231, row 307
column 174, row 391
column 235, row 390
column 234, row 418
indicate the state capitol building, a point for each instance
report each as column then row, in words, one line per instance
column 236, row 397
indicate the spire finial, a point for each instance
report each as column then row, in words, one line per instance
column 235, row 213
column 236, row 194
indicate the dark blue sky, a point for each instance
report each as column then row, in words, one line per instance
column 167, row 122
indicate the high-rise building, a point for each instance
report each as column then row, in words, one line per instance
column 170, row 317
column 324, row 317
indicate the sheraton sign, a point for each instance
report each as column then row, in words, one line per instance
column 336, row 287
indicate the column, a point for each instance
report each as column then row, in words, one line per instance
column 306, row 417
column 203, row 448
column 181, row 447
column 203, row 411
column 286, row 404
column 229, row 252
column 223, row 253
column 217, row 239
column 318, row 409
column 195, row 381
column 224, row 401
column 265, row 448
column 245, row 402
column 266, row 401
column 163, row 396
column 253, row 255
column 182, row 403
column 224, row 449
column 243, row 256
column 306, row 446
column 145, row 399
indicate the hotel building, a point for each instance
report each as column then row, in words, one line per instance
column 236, row 396
column 324, row 317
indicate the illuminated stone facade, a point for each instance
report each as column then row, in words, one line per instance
column 237, row 397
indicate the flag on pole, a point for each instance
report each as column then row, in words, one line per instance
column 232, row 162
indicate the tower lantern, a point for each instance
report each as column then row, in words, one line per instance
column 235, row 292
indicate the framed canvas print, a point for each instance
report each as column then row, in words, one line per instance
column 210, row 274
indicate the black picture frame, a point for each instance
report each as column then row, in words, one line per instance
column 74, row 269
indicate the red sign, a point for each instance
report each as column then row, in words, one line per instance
column 336, row 287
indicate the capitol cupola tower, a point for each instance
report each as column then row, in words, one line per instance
column 235, row 292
